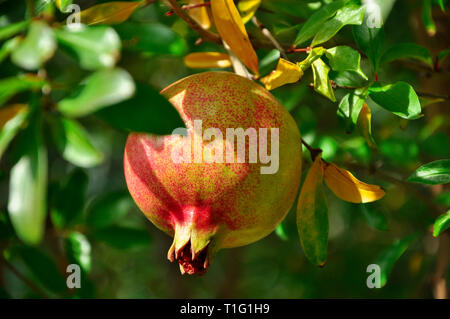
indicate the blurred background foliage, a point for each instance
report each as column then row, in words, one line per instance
column 67, row 101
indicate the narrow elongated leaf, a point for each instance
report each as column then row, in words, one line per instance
column 312, row 215
column 11, row 29
column 399, row 98
column 347, row 187
column 434, row 173
column 28, row 186
column 351, row 14
column 407, row 51
column 38, row 46
column 441, row 224
column 113, row 12
column 232, row 30
column 322, row 83
column 350, row 106
column 269, row 62
column 344, row 58
column 11, row 119
column 316, row 21
column 371, row 42
column 207, row 60
column 281, row 232
column 106, row 209
column 200, row 15
column 13, row 85
column 123, row 237
column 42, row 267
column 151, row 38
column 99, row 90
column 389, row 257
column 73, row 142
column 248, row 9
column 427, row 16
column 8, row 47
column 286, row 72
column 69, row 200
column 147, row 111
column 365, row 124
column 78, row 250
column 94, row 47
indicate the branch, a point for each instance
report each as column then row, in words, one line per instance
column 269, row 36
column 209, row 36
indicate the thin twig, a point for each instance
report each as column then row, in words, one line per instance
column 28, row 282
column 194, row 25
column 269, row 36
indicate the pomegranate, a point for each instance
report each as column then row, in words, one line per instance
column 231, row 201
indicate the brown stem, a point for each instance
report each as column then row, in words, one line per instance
column 312, row 151
column 194, row 25
column 28, row 282
column 439, row 280
column 269, row 36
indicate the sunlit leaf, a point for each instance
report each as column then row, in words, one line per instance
column 427, row 16
column 370, row 41
column 94, row 47
column 101, row 89
column 322, row 83
column 38, row 46
column 113, row 12
column 347, row 187
column 344, row 58
column 434, row 173
column 13, row 85
column 28, row 186
column 207, row 60
column 200, row 15
column 350, row 106
column 286, row 72
column 281, row 232
column 248, row 9
column 232, row 30
column 365, row 124
column 78, row 250
column 11, row 29
column 441, row 224
column 269, row 62
column 8, row 47
column 312, row 215
column 399, row 98
column 11, row 119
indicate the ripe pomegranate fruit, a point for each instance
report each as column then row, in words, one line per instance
column 205, row 205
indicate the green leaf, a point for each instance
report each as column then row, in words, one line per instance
column 434, row 173
column 399, row 98
column 147, row 111
column 13, row 85
column 347, row 78
column 373, row 217
column 399, row 151
column 95, row 47
column 151, row 38
column 62, row 4
column 28, row 186
column 78, row 251
column 443, row 199
column 11, row 128
column 322, row 84
column 427, row 16
column 387, row 259
column 442, row 55
column 441, row 224
column 351, row 14
column 101, row 89
column 43, row 268
column 441, row 4
column 344, row 58
column 74, row 143
column 312, row 216
column 123, row 237
column 109, row 207
column 38, row 47
column 316, row 21
column 281, row 232
column 269, row 62
column 8, row 47
column 349, row 108
column 371, row 42
column 407, row 51
column 11, row 29
column 69, row 200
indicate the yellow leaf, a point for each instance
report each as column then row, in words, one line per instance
column 347, row 187
column 286, row 72
column 365, row 124
column 207, row 60
column 114, row 12
column 231, row 29
column 8, row 112
column 312, row 215
column 200, row 15
column 248, row 9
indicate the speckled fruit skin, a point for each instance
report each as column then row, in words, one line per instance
column 209, row 206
